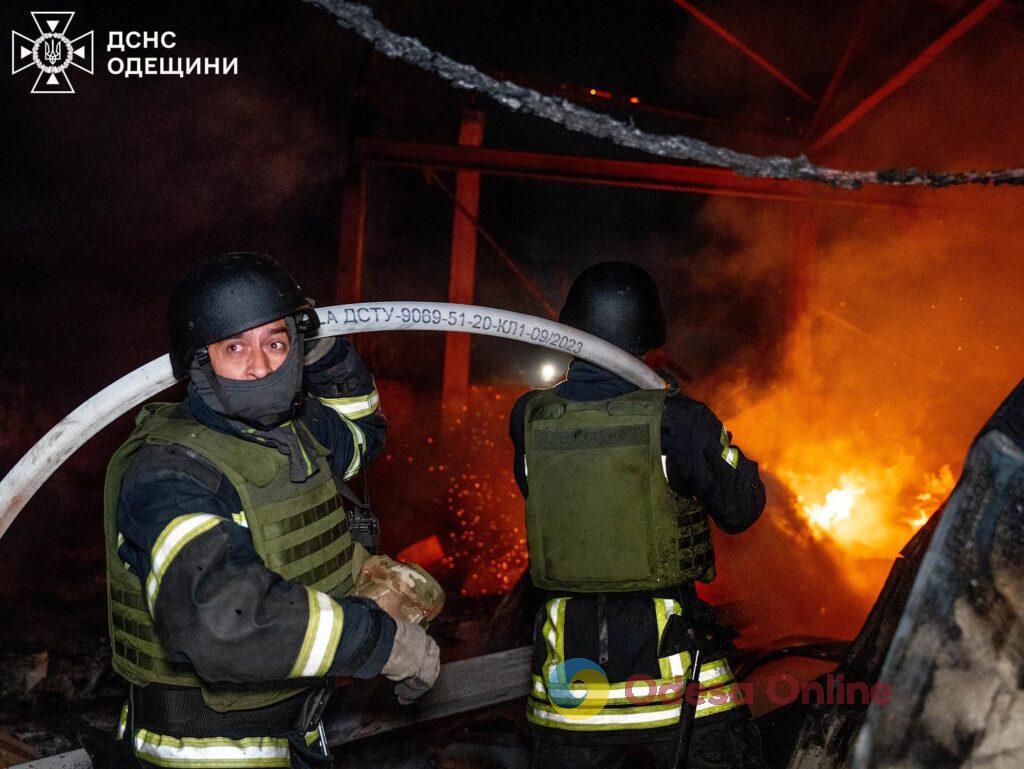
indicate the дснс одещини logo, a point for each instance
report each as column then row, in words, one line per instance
column 52, row 52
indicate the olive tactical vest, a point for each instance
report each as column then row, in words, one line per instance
column 298, row 529
column 600, row 515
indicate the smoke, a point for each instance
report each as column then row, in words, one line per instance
column 864, row 406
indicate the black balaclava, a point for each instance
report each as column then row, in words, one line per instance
column 261, row 410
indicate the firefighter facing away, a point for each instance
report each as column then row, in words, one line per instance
column 620, row 484
column 229, row 559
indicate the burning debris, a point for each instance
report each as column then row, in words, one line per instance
column 47, row 699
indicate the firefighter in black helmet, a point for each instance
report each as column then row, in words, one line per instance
column 229, row 557
column 620, row 486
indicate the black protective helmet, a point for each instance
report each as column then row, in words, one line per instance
column 618, row 302
column 230, row 294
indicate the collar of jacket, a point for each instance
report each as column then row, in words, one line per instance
column 297, row 445
column 585, row 381
column 207, row 415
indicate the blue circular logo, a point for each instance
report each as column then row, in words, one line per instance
column 578, row 688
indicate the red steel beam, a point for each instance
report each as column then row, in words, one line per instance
column 745, row 49
column 622, row 173
column 901, row 78
column 462, row 278
column 867, row 12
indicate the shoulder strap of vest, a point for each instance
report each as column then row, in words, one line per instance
column 548, row 405
column 237, row 458
column 545, row 405
column 149, row 418
column 638, row 402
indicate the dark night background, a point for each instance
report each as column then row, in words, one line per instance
column 110, row 194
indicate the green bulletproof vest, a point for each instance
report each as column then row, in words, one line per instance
column 600, row 515
column 298, row 529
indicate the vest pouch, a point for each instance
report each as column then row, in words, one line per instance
column 594, row 516
column 600, row 516
column 588, row 509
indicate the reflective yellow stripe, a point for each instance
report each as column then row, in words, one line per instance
column 355, row 407
column 122, row 722
column 715, row 673
column 719, row 699
column 639, row 704
column 661, row 616
column 642, row 717
column 647, row 691
column 178, row 533
column 730, row 454
column 323, row 632
column 674, row 665
column 554, row 636
column 358, row 444
column 215, row 752
column 650, row 716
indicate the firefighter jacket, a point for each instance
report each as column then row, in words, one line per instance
column 227, row 581
column 611, row 640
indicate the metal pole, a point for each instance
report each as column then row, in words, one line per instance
column 867, row 13
column 455, row 385
column 745, row 49
column 902, row 77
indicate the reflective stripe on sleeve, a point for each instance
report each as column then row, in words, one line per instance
column 730, row 454
column 178, row 533
column 355, row 407
column 358, row 446
column 323, row 632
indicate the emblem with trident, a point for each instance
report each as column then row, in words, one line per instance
column 53, row 50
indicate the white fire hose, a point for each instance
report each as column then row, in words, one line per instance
column 32, row 470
